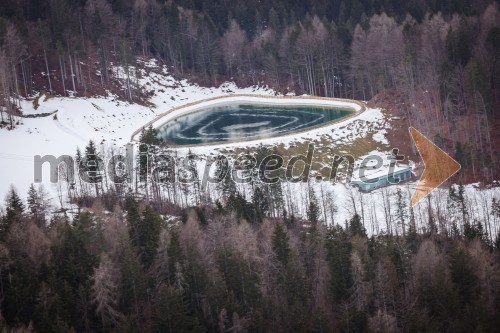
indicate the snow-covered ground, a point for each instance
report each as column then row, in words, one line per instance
column 110, row 123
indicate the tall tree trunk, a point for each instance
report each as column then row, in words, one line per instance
column 72, row 73
column 47, row 68
column 62, row 75
column 24, row 78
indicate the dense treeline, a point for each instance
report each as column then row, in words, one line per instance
column 172, row 183
column 244, row 259
column 123, row 267
column 437, row 62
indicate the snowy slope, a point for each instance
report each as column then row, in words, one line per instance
column 110, row 122
column 106, row 120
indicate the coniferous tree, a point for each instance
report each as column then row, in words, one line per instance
column 14, row 211
column 260, row 203
column 133, row 288
column 463, row 204
column 19, row 290
column 356, row 227
column 92, row 166
column 149, row 136
column 401, row 210
column 80, row 167
column 242, row 208
column 36, row 205
column 144, row 232
column 463, row 276
column 172, row 314
column 74, row 262
column 339, row 258
column 497, row 241
column 280, row 245
column 313, row 211
column 147, row 235
column 133, row 215
column 223, row 178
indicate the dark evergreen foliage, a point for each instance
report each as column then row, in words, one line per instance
column 280, row 245
column 356, row 226
column 248, row 263
column 220, row 274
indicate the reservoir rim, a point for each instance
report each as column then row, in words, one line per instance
column 259, row 100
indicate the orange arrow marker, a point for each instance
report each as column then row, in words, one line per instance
column 438, row 166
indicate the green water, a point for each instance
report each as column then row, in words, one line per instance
column 245, row 122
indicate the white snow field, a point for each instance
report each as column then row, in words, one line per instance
column 111, row 122
column 108, row 121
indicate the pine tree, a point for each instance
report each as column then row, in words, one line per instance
column 452, row 206
column 356, row 227
column 280, row 244
column 80, row 168
column 32, row 200
column 133, row 216
column 142, row 162
column 463, row 203
column 150, row 136
column 224, row 181
column 240, row 278
column 148, row 235
column 78, row 156
column 148, row 150
column 276, row 197
column 339, row 257
column 93, row 166
column 171, row 312
column 144, row 232
column 14, row 202
column 463, row 276
column 195, row 178
column 260, row 203
column 74, row 261
column 495, row 207
column 401, row 209
column 412, row 237
column 474, row 230
column 243, row 209
column 313, row 209
column 497, row 241
column 35, row 206
column 14, row 211
column 133, row 287
column 18, row 289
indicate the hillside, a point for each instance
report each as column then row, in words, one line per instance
column 249, row 166
column 67, row 124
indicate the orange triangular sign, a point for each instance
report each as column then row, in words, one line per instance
column 438, row 166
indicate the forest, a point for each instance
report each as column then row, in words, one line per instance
column 145, row 258
column 434, row 62
column 120, row 266
column 173, row 258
